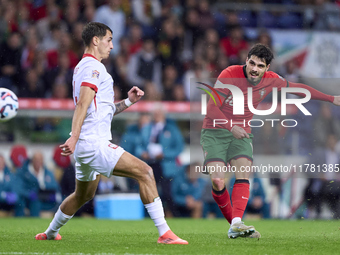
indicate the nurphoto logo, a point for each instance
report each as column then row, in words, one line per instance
column 236, row 100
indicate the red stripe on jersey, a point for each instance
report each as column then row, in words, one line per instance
column 75, row 98
column 95, row 102
column 92, row 86
column 89, row 55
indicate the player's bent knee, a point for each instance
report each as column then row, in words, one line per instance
column 218, row 183
column 146, row 173
column 149, row 172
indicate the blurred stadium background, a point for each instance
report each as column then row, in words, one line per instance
column 161, row 46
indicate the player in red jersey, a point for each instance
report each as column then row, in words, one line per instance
column 230, row 140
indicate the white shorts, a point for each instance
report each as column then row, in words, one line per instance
column 94, row 157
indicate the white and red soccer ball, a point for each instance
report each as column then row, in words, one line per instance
column 8, row 105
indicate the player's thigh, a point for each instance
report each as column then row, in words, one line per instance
column 86, row 190
column 130, row 166
column 240, row 157
column 215, row 144
column 241, row 148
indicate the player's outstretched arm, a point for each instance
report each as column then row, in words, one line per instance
column 134, row 95
column 315, row 94
column 86, row 96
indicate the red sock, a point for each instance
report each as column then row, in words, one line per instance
column 223, row 202
column 239, row 197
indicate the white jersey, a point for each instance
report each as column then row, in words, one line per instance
column 92, row 73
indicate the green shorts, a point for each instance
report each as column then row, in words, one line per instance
column 220, row 145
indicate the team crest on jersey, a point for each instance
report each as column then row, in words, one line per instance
column 95, row 74
column 262, row 92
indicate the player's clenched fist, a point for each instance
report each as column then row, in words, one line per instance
column 135, row 94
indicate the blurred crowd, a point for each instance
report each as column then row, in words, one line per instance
column 159, row 45
column 29, row 188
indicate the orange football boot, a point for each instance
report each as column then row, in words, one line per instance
column 43, row 236
column 170, row 238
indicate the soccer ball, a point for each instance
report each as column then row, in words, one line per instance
column 8, row 105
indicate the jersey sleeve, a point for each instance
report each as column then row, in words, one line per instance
column 279, row 81
column 91, row 78
column 315, row 94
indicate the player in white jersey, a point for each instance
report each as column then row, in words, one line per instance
column 91, row 131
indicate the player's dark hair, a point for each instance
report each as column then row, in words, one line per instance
column 262, row 52
column 93, row 29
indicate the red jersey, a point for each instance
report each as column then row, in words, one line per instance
column 236, row 75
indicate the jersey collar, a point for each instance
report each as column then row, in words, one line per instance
column 89, row 55
column 245, row 75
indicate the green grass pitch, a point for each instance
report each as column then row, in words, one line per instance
column 92, row 236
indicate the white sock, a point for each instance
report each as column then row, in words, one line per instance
column 156, row 212
column 59, row 220
column 235, row 220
